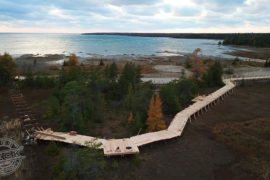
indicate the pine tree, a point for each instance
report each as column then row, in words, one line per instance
column 101, row 63
column 8, row 63
column 155, row 121
column 113, row 70
column 130, row 75
column 129, row 102
column 213, row 77
column 7, row 68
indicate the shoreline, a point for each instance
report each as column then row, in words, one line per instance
column 233, row 52
column 54, row 59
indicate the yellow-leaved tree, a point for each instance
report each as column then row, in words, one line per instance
column 198, row 67
column 155, row 121
column 73, row 60
column 130, row 118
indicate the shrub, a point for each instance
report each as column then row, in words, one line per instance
column 130, row 75
column 236, row 61
column 52, row 149
column 38, row 81
column 170, row 99
column 101, row 63
column 187, row 90
column 177, row 94
column 111, row 71
column 242, row 83
column 7, row 68
column 73, row 60
column 213, row 76
column 137, row 124
column 5, row 76
column 82, row 163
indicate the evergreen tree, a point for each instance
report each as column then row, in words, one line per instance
column 29, row 78
column 250, row 39
column 7, row 68
column 130, row 98
column 213, row 77
column 80, row 163
column 138, row 124
column 5, row 76
column 101, row 63
column 186, row 90
column 8, row 63
column 170, row 99
column 111, row 71
column 130, row 75
column 74, row 107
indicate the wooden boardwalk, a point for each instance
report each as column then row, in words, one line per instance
column 112, row 147
column 27, row 119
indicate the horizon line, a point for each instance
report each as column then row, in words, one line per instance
column 135, row 32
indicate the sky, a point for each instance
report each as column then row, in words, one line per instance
column 168, row 16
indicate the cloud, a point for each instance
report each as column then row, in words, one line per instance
column 133, row 2
column 134, row 15
column 187, row 11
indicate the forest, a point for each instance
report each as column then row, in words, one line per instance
column 84, row 97
column 106, row 97
column 252, row 39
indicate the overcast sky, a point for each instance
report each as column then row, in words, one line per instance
column 134, row 16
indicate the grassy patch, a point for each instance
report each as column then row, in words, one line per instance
column 251, row 139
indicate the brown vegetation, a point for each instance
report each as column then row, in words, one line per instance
column 258, row 54
column 147, row 69
column 196, row 64
column 155, row 121
column 73, row 60
column 250, row 139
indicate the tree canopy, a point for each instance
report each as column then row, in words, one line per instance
column 7, row 68
column 249, row 39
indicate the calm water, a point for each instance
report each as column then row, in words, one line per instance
column 87, row 45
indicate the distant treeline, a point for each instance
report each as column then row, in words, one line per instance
column 172, row 35
column 249, row 39
column 252, row 39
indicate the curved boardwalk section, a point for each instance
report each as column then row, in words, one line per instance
column 130, row 145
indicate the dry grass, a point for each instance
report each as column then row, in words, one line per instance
column 250, row 139
column 9, row 125
column 259, row 54
column 147, row 69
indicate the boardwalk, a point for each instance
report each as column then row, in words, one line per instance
column 131, row 145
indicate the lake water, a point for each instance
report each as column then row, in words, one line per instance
column 89, row 45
